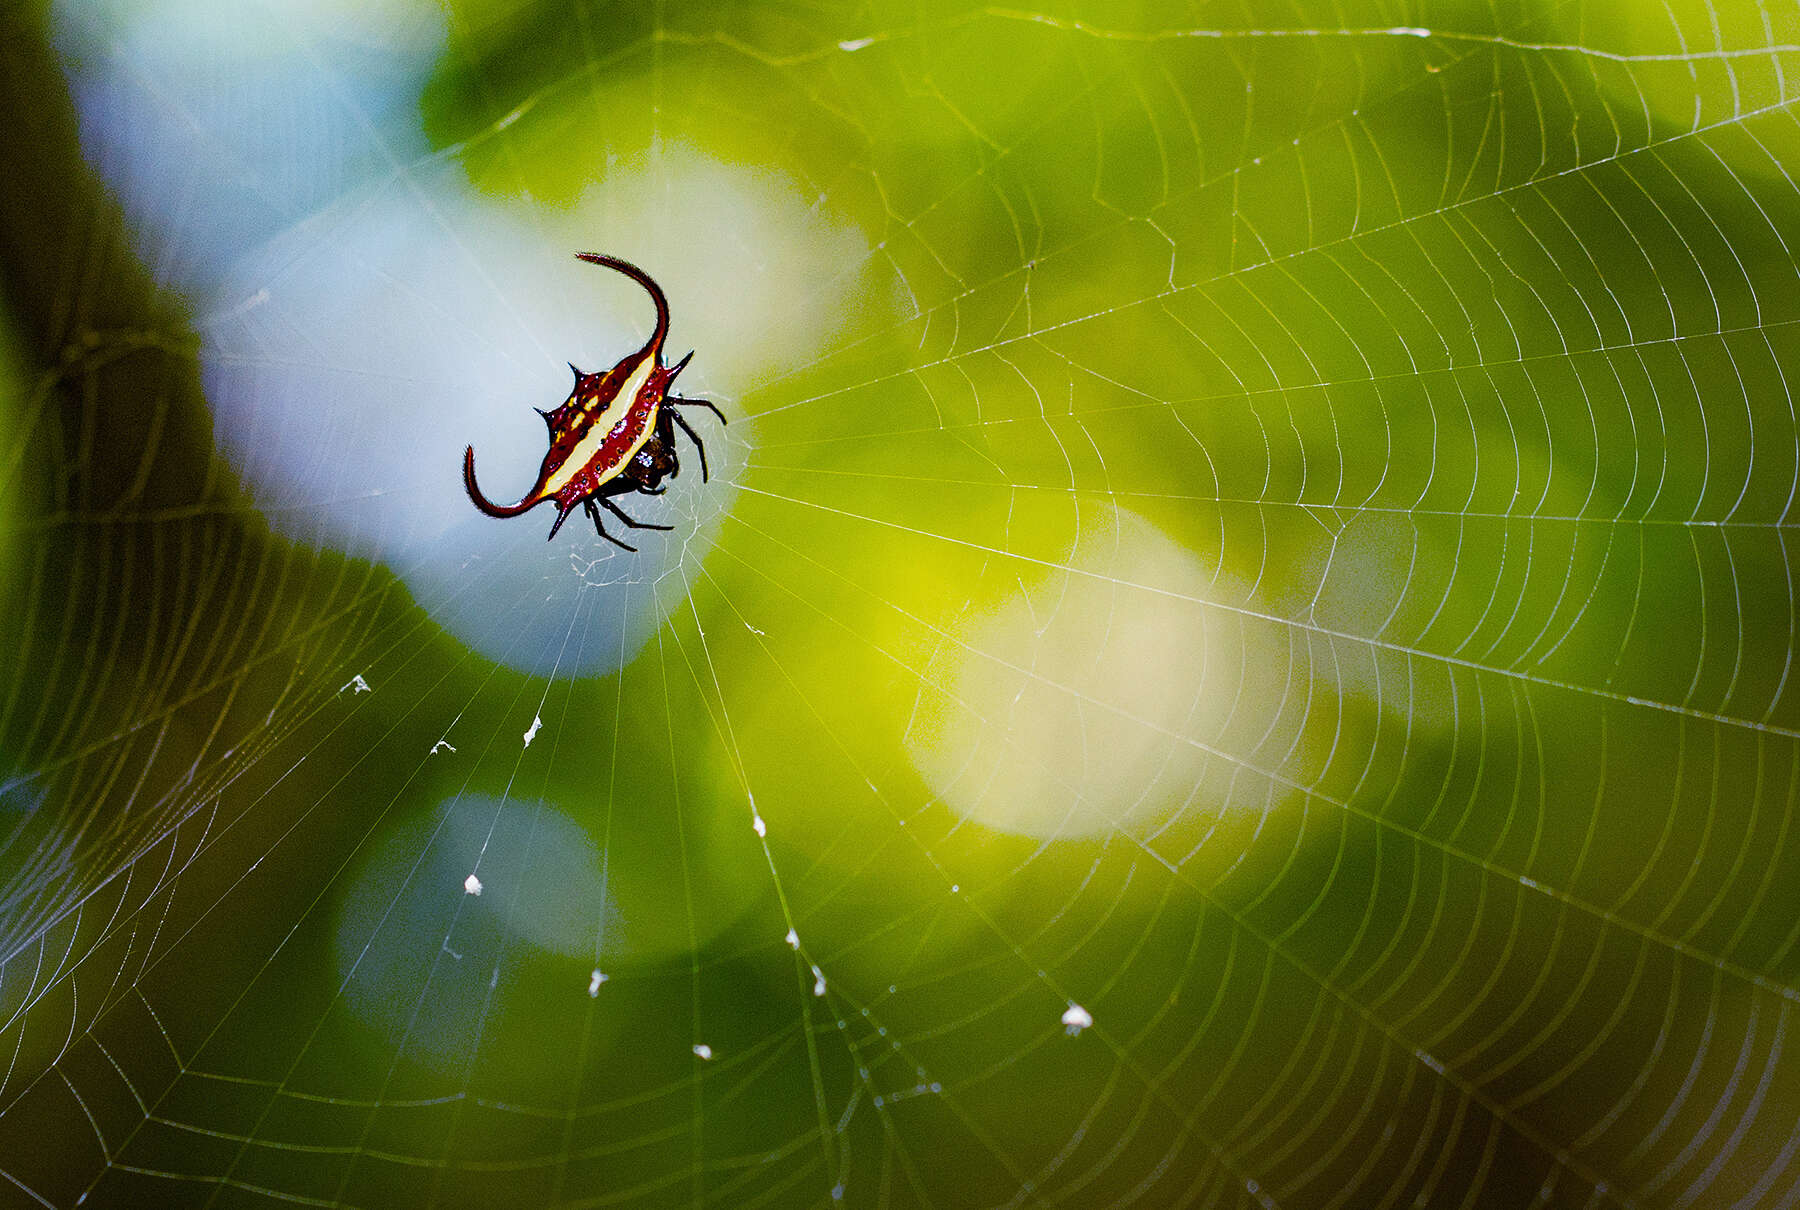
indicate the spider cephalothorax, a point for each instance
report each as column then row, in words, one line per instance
column 613, row 435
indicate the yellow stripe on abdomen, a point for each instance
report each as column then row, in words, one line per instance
column 594, row 440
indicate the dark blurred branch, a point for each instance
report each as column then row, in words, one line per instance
column 125, row 427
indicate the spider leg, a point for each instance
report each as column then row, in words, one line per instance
column 594, row 513
column 620, row 514
column 692, row 436
column 698, row 403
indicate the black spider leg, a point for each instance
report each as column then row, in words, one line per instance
column 600, row 529
column 672, row 414
column 708, row 404
column 619, row 487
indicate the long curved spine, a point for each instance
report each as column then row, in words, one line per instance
column 643, row 279
column 482, row 502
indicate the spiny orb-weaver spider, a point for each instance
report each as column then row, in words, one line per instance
column 588, row 463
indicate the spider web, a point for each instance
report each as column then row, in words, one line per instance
column 1236, row 648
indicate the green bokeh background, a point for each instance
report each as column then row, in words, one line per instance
column 1445, row 350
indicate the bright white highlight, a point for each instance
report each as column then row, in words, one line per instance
column 1090, row 700
column 379, row 393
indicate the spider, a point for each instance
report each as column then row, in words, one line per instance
column 589, row 463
